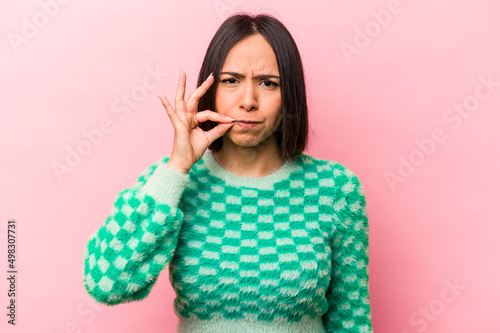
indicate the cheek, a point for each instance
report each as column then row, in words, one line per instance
column 271, row 103
column 219, row 105
column 277, row 108
column 222, row 102
column 218, row 100
column 278, row 120
column 277, row 102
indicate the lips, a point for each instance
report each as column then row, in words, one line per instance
column 246, row 124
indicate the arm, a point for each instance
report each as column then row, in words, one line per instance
column 348, row 295
column 124, row 257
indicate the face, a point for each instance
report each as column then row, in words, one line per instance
column 249, row 90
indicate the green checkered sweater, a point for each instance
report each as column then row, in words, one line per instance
column 287, row 252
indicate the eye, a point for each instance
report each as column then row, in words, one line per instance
column 270, row 84
column 230, row 80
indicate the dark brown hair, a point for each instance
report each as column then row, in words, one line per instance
column 292, row 133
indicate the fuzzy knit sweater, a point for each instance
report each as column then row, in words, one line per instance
column 287, row 252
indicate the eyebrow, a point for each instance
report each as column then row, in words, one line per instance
column 262, row 77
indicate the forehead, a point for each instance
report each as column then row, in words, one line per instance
column 253, row 53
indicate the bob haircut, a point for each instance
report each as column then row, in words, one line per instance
column 292, row 134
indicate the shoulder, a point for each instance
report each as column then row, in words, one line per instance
column 335, row 174
column 329, row 167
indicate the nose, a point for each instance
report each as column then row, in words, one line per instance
column 249, row 98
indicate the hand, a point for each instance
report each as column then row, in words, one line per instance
column 190, row 141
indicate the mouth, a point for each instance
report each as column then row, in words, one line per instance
column 245, row 123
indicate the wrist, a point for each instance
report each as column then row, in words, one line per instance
column 173, row 165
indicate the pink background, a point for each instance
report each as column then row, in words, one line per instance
column 384, row 108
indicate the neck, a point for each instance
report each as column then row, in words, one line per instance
column 255, row 162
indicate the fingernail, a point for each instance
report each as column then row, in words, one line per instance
column 211, row 74
column 229, row 118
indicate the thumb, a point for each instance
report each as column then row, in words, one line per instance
column 218, row 131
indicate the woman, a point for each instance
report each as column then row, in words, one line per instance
column 259, row 237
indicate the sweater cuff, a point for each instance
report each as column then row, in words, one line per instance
column 166, row 185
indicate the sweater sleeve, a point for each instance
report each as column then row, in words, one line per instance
column 124, row 257
column 348, row 295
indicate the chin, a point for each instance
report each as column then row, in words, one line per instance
column 248, row 141
column 245, row 144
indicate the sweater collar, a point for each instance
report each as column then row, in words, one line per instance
column 261, row 182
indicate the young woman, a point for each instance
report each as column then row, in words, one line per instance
column 259, row 237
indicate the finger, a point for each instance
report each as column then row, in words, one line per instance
column 194, row 98
column 166, row 104
column 217, row 131
column 170, row 110
column 181, row 89
column 202, row 116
